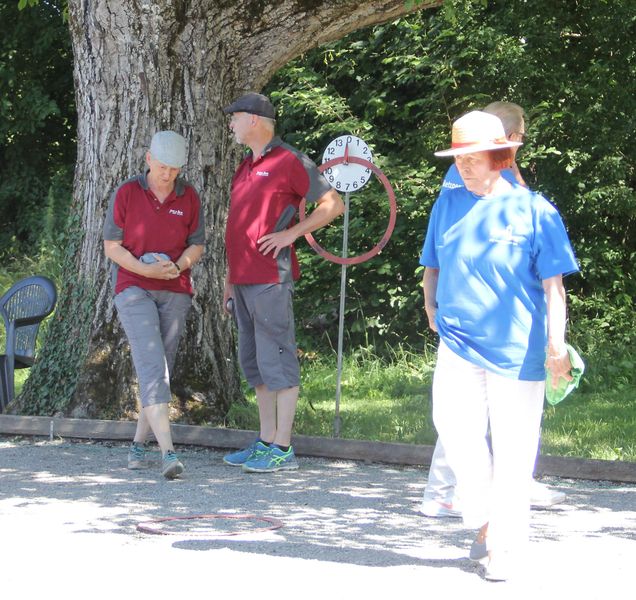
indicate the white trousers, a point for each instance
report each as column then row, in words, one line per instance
column 494, row 488
column 441, row 482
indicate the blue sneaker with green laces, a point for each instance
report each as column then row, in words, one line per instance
column 275, row 459
column 238, row 458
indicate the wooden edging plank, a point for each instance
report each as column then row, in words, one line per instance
column 370, row 451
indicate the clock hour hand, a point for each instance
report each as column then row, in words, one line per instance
column 346, row 154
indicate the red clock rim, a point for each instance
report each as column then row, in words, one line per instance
column 354, row 260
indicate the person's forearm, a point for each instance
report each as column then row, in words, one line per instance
column 326, row 211
column 557, row 315
column 124, row 258
column 429, row 287
column 189, row 257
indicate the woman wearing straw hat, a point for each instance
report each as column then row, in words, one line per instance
column 495, row 254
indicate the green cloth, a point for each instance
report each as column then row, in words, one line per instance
column 556, row 395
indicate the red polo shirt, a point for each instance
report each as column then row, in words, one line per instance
column 261, row 190
column 143, row 224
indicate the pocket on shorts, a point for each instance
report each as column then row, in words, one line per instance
column 273, row 310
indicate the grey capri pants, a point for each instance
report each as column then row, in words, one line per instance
column 153, row 322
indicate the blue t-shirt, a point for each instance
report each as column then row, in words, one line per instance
column 493, row 252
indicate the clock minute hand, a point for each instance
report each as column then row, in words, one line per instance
column 346, row 154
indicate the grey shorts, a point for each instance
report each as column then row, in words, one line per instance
column 267, row 342
column 153, row 322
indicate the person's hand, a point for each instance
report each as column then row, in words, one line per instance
column 431, row 311
column 276, row 242
column 559, row 366
column 162, row 269
column 228, row 293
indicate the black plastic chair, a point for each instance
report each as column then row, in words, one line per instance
column 23, row 307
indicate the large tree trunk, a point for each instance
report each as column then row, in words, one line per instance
column 142, row 66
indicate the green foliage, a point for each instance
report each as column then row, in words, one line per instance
column 37, row 124
column 53, row 379
column 399, row 86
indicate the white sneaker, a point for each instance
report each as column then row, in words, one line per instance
column 541, row 496
column 499, row 568
column 439, row 509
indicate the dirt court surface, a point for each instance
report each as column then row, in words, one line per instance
column 69, row 514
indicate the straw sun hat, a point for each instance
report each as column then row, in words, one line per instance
column 477, row 131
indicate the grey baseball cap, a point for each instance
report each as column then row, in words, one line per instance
column 253, row 103
column 169, row 148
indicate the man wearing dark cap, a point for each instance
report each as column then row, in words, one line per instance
column 267, row 188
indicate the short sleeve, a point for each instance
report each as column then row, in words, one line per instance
column 428, row 256
column 113, row 229
column 313, row 185
column 197, row 227
column 552, row 249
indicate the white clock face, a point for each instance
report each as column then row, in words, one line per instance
column 347, row 177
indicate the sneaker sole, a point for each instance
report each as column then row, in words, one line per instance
column 442, row 514
column 437, row 510
column 291, row 467
column 543, row 504
column 173, row 471
column 233, row 464
column 138, row 466
column 495, row 577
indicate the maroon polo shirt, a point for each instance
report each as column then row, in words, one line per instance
column 261, row 190
column 143, row 224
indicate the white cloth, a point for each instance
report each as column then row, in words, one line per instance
column 441, row 483
column 494, row 488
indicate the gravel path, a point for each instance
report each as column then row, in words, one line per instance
column 69, row 514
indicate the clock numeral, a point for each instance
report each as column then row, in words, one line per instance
column 355, row 185
column 331, row 150
column 338, row 185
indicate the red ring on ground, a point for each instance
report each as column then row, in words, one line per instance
column 354, row 260
column 145, row 527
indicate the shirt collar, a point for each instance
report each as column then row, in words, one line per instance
column 274, row 143
column 179, row 184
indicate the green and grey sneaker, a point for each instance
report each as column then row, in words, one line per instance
column 274, row 459
column 171, row 467
column 137, row 456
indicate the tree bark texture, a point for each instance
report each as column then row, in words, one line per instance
column 142, row 66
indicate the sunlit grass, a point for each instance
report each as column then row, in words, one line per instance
column 592, row 425
column 390, row 400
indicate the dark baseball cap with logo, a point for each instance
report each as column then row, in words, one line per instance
column 253, row 103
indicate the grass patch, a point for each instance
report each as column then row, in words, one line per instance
column 389, row 399
column 592, row 425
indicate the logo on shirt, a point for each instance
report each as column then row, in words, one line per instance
column 176, row 211
column 449, row 185
column 262, row 173
column 504, row 236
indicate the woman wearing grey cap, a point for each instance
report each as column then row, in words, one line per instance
column 154, row 234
